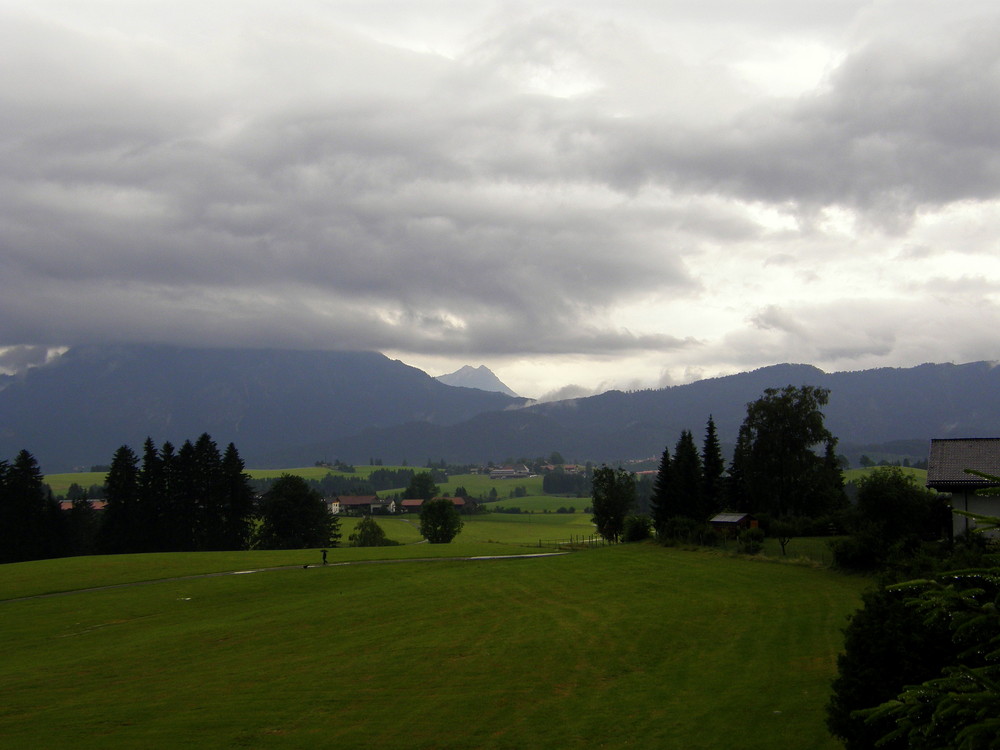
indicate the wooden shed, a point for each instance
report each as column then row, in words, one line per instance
column 731, row 523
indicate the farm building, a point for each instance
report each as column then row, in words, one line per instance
column 363, row 504
column 731, row 523
column 510, row 472
column 413, row 505
column 946, row 472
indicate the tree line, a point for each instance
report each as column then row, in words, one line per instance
column 332, row 485
column 784, row 466
column 166, row 500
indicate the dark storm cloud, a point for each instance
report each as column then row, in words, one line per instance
column 298, row 183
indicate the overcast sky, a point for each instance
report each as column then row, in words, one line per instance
column 595, row 194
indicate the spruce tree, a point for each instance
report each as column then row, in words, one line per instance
column 152, row 498
column 713, row 466
column 238, row 501
column 173, row 524
column 688, row 479
column 209, row 490
column 121, row 530
column 184, row 497
column 660, row 502
column 23, row 516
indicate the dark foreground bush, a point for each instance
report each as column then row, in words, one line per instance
column 751, row 541
column 637, row 527
column 679, row 530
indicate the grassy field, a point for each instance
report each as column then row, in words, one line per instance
column 479, row 485
column 476, row 484
column 853, row 475
column 625, row 646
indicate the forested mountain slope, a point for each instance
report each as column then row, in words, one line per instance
column 78, row 409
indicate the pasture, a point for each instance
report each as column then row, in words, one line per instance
column 630, row 645
column 919, row 475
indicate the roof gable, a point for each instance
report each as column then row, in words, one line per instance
column 949, row 458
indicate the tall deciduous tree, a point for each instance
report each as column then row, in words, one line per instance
column 776, row 468
column 294, row 516
column 439, row 521
column 613, row 496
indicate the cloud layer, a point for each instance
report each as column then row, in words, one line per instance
column 603, row 194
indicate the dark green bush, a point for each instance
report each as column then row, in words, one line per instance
column 637, row 527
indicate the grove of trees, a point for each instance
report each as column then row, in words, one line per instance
column 689, row 484
column 32, row 526
column 166, row 500
column 194, row 498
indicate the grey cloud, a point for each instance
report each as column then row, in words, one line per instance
column 899, row 127
column 16, row 358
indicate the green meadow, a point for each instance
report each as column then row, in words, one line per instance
column 621, row 646
column 919, row 475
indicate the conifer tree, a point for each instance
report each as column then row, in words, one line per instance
column 152, row 498
column 23, row 518
column 713, row 466
column 209, row 491
column 173, row 524
column 688, row 479
column 120, row 530
column 660, row 502
column 238, row 501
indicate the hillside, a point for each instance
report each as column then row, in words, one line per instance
column 78, row 409
column 889, row 410
column 292, row 408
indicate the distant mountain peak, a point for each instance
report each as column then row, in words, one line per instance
column 481, row 377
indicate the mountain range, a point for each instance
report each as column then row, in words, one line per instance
column 292, row 408
column 76, row 411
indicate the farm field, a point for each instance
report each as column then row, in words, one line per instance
column 630, row 645
column 853, row 475
column 476, row 484
column 479, row 485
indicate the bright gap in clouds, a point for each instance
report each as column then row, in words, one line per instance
column 789, row 67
